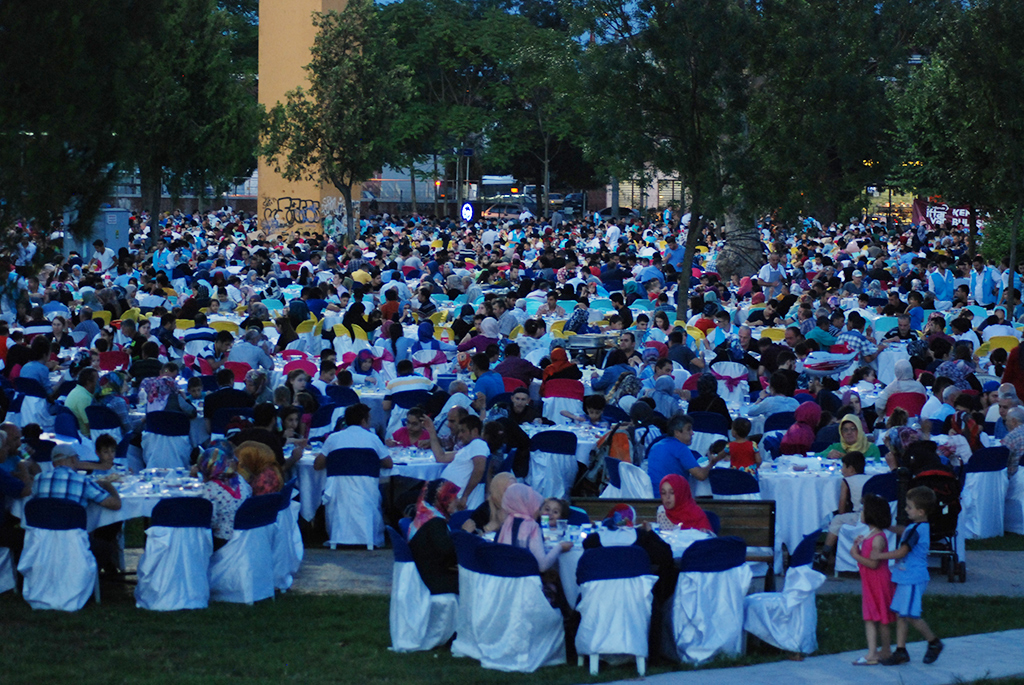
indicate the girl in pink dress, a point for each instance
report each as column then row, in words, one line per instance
column 876, row 584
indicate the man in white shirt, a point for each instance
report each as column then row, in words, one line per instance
column 358, row 435
column 466, row 466
column 611, row 236
column 771, row 275
column 26, row 251
column 103, row 259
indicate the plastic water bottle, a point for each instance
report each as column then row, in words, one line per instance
column 544, row 522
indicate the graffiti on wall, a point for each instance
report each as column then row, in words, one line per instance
column 283, row 212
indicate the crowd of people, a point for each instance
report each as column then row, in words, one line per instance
column 429, row 297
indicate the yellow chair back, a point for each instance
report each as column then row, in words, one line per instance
column 229, row 326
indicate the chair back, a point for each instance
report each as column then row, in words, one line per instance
column 257, row 512
column 303, row 364
column 613, row 414
column 65, row 424
column 43, row 450
column 779, row 421
column 183, row 512
column 710, row 422
column 885, row 485
column 578, row 517
column 714, row 520
column 30, row 387
column 54, row 513
column 221, row 418
column 564, row 387
column 323, row 415
column 341, row 396
column 553, row 441
column 504, row 561
column 608, row 563
column 353, row 461
column 726, row 481
column 167, row 423
column 400, row 547
column 458, row 518
column 102, row 418
column 407, row 399
column 912, row 402
column 611, row 467
column 512, row 383
column 239, row 369
column 718, row 554
column 988, row 459
column 804, row 552
column 113, row 360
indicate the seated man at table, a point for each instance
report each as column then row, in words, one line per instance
column 466, row 466
column 149, row 365
column 65, row 483
column 81, row 396
column 358, row 434
column 672, row 455
column 225, row 396
column 248, row 351
column 516, row 367
column 488, row 382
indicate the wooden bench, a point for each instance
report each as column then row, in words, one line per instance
column 751, row 520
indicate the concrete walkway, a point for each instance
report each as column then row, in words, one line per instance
column 968, row 658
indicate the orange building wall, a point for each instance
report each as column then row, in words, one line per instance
column 286, row 36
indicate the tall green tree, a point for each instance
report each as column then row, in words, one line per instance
column 341, row 130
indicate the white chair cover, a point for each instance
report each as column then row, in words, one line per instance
column 633, row 483
column 58, row 567
column 165, row 451
column 288, row 550
column 734, row 374
column 847, row 534
column 984, row 502
column 1014, row 516
column 6, row 570
column 554, row 406
column 788, row 619
column 552, row 473
column 615, row 611
column 36, row 410
column 419, row 621
column 352, row 500
column 706, row 616
column 504, row 619
column 242, row 571
column 174, row 569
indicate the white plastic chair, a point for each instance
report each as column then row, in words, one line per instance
column 706, row 615
column 984, row 493
column 419, row 621
column 166, row 441
column 504, row 620
column 58, row 567
column 288, row 550
column 242, row 571
column 174, row 568
column 553, row 465
column 789, row 619
column 626, row 481
column 616, row 593
column 352, row 499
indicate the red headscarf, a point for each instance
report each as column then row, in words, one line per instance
column 800, row 436
column 686, row 513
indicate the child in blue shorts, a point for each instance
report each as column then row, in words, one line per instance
column 911, row 577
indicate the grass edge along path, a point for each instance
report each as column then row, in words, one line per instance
column 330, row 639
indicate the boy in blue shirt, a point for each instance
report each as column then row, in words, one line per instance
column 911, row 577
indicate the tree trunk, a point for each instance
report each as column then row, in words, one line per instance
column 412, row 186
column 615, row 197
column 742, row 253
column 547, row 179
column 435, row 185
column 346, row 195
column 972, row 233
column 151, row 180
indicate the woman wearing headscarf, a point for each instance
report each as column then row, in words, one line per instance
column 666, row 401
column 429, row 539
column 961, row 368
column 851, row 439
column 678, row 510
column 157, row 392
column 354, row 317
column 745, row 287
column 425, row 340
column 257, row 387
column 223, row 487
column 852, row 407
column 488, row 336
column 258, row 465
column 463, row 323
column 800, row 436
column 363, row 372
column 904, row 382
column 560, row 367
column 898, row 439
column 708, row 399
column 489, row 516
column 579, row 321
column 520, row 528
column 110, row 394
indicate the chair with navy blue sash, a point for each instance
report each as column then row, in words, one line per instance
column 578, row 517
column 165, row 440
column 984, row 493
column 789, row 619
column 352, row 499
column 884, row 485
column 65, row 424
column 174, row 568
column 242, row 571
column 779, row 421
column 456, row 520
column 613, row 414
column 35, row 406
column 553, row 465
column 342, row 396
column 504, row 619
column 707, row 428
column 288, row 549
column 103, row 421
column 401, row 403
column 707, row 608
column 616, row 595
column 727, row 483
column 58, row 567
column 324, row 419
column 419, row 621
column 625, row 481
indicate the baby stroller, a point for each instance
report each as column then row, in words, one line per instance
column 943, row 521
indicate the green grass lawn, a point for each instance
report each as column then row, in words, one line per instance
column 1010, row 542
column 314, row 639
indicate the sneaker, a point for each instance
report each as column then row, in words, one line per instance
column 898, row 657
column 933, row 652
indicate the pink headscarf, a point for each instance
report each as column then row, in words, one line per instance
column 520, row 502
column 745, row 287
column 800, row 436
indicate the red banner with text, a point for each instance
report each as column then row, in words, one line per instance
column 938, row 214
